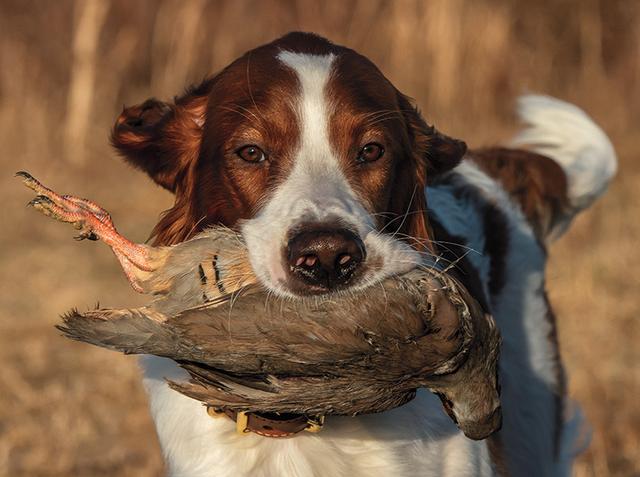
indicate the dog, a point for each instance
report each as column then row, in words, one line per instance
column 335, row 181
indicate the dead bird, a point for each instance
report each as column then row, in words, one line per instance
column 341, row 354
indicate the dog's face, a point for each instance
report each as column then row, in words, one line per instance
column 309, row 151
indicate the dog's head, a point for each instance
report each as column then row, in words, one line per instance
column 309, row 151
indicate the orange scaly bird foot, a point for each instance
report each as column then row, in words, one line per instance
column 94, row 223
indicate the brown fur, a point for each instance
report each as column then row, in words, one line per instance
column 189, row 147
column 162, row 139
column 536, row 182
column 370, row 109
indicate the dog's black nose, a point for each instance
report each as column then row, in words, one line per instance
column 325, row 259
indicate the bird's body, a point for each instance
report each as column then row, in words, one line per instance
column 342, row 355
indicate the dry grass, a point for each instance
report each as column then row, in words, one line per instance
column 66, row 68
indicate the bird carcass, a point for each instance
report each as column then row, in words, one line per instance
column 248, row 351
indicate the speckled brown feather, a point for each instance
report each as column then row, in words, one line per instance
column 350, row 354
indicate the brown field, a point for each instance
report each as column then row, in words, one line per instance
column 66, row 69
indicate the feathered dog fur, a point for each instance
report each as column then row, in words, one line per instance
column 311, row 107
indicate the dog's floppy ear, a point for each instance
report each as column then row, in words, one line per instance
column 160, row 138
column 439, row 152
column 443, row 154
column 431, row 154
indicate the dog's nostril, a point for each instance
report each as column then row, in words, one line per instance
column 344, row 259
column 307, row 260
column 325, row 258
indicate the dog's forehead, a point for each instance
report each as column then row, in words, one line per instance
column 348, row 78
column 312, row 71
column 281, row 69
column 302, row 90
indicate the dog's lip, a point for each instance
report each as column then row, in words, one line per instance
column 298, row 289
column 364, row 277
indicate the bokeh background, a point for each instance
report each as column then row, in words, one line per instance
column 66, row 69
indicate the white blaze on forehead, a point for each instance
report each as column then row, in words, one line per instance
column 316, row 189
column 313, row 73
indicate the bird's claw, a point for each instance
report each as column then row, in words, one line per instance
column 28, row 179
column 39, row 202
column 84, row 215
column 50, row 208
column 46, row 206
column 87, row 235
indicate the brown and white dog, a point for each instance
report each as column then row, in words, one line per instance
column 335, row 182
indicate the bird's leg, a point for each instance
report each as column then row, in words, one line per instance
column 94, row 223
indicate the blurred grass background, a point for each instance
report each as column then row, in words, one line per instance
column 66, row 69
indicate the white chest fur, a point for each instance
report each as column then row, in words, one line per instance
column 416, row 439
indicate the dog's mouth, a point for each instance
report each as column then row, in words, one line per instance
column 328, row 284
column 383, row 257
column 324, row 257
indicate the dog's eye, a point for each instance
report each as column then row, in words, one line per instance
column 370, row 152
column 251, row 153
